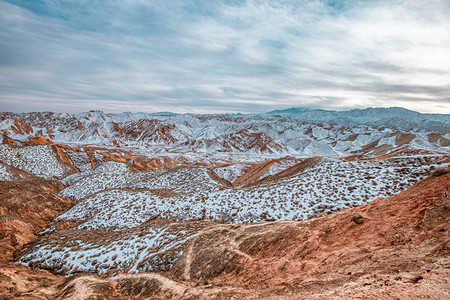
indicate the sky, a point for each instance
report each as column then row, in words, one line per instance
column 204, row 56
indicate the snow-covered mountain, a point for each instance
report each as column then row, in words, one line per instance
column 296, row 131
column 396, row 117
column 137, row 192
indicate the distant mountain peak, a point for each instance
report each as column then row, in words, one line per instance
column 293, row 110
column 164, row 113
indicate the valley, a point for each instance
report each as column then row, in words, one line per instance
column 166, row 206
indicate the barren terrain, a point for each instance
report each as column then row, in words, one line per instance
column 100, row 206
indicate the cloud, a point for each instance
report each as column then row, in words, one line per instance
column 224, row 56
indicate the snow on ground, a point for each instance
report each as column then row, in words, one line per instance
column 117, row 205
column 152, row 247
column 255, row 134
column 119, row 209
column 280, row 166
column 126, row 199
column 109, row 167
column 79, row 159
column 120, row 212
column 116, row 228
column 37, row 160
column 187, row 181
column 5, row 174
column 232, row 172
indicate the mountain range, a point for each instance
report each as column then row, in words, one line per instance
column 295, row 131
column 290, row 204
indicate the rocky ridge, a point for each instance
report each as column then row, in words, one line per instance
column 394, row 247
column 305, row 133
column 163, row 206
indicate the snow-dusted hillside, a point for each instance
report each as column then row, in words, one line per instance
column 116, row 199
column 151, row 247
column 142, row 185
column 396, row 117
column 123, row 218
column 38, row 160
column 298, row 132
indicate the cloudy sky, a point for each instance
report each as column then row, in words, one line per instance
column 224, row 56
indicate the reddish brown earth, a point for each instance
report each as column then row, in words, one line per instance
column 108, row 154
column 21, row 127
column 435, row 137
column 399, row 251
column 297, row 168
column 26, row 207
column 391, row 248
column 255, row 171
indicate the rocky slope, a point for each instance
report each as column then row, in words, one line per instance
column 27, row 206
column 396, row 117
column 163, row 206
column 293, row 132
column 391, row 248
column 118, row 190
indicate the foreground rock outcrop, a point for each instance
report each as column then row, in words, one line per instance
column 27, row 206
column 392, row 248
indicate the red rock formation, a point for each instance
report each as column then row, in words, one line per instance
column 26, row 207
column 50, row 133
column 391, row 248
column 20, row 127
column 39, row 140
column 5, row 132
